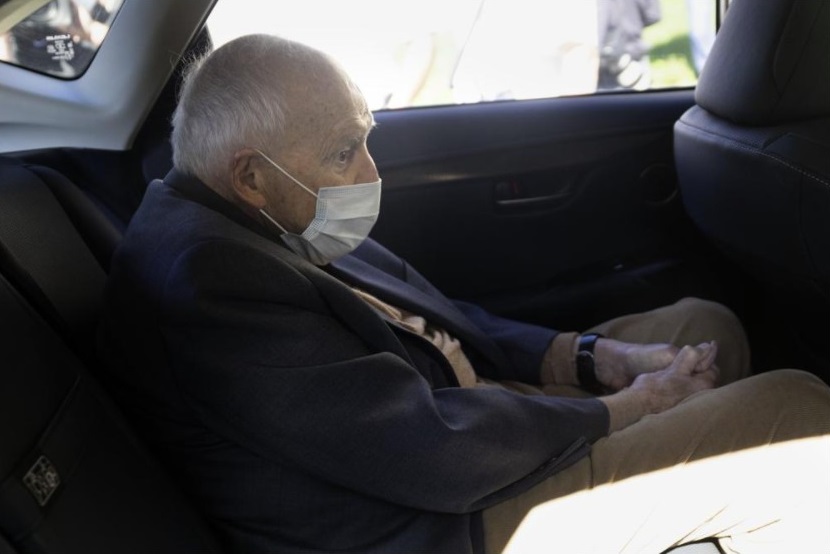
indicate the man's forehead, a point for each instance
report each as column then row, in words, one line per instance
column 326, row 107
column 355, row 115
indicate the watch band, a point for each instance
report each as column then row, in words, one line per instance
column 586, row 372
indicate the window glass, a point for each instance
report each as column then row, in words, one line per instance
column 431, row 52
column 57, row 37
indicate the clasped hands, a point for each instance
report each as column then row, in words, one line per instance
column 619, row 364
column 651, row 377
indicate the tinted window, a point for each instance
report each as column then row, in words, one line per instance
column 58, row 37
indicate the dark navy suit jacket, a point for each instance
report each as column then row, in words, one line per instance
column 297, row 417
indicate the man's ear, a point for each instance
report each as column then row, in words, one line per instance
column 247, row 179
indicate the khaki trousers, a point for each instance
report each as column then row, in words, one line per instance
column 747, row 463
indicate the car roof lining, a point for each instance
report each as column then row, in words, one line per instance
column 104, row 108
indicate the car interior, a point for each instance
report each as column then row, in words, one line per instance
column 562, row 212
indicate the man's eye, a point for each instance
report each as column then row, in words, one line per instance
column 349, row 153
column 344, row 155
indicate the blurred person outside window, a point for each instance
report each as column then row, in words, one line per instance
column 624, row 60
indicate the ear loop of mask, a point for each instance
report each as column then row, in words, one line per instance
column 272, row 220
column 284, row 172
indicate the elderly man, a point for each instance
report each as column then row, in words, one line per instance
column 314, row 393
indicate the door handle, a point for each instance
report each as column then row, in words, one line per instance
column 513, row 194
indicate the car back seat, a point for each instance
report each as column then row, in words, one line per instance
column 55, row 245
column 73, row 476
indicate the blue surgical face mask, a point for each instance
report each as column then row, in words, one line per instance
column 343, row 218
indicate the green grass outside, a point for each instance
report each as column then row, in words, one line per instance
column 671, row 55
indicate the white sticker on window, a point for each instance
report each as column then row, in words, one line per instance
column 60, row 47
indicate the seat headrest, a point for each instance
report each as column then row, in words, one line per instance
column 770, row 63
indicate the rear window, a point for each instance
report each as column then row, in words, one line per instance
column 56, row 37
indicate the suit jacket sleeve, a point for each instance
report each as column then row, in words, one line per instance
column 524, row 344
column 268, row 360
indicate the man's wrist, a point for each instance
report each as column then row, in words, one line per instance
column 625, row 408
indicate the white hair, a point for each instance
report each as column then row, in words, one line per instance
column 234, row 98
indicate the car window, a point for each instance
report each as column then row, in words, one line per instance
column 434, row 52
column 57, row 37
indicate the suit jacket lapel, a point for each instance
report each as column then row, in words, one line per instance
column 395, row 291
column 352, row 310
column 435, row 308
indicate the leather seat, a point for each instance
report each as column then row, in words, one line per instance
column 753, row 156
column 55, row 246
column 73, row 478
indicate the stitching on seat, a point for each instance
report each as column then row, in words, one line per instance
column 755, row 150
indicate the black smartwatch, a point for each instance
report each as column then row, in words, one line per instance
column 586, row 371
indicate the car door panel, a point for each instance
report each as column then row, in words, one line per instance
column 537, row 209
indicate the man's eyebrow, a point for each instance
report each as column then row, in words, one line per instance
column 354, row 133
column 367, row 124
column 369, row 118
